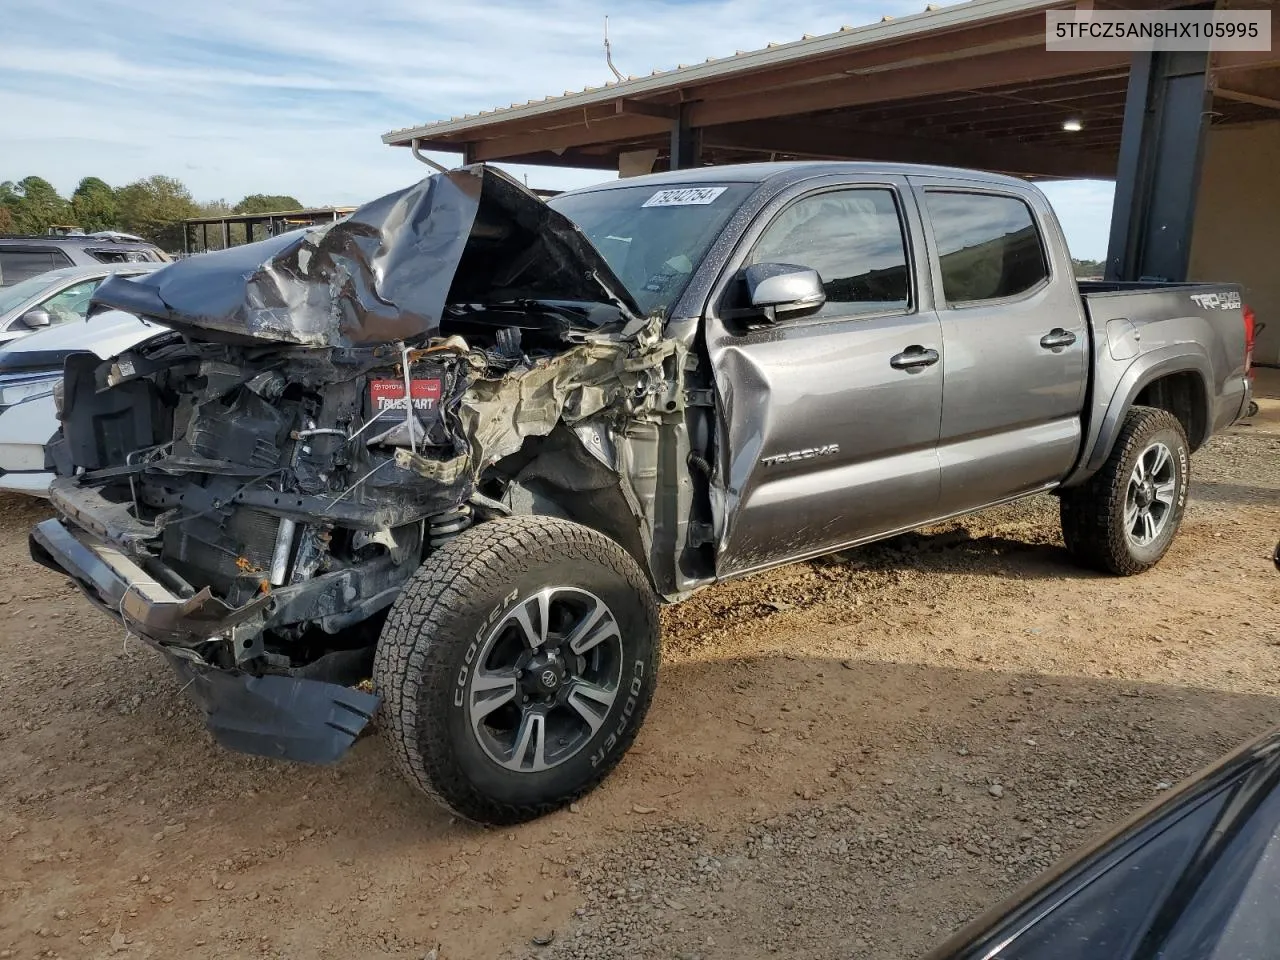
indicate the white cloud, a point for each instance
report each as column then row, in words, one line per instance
column 293, row 96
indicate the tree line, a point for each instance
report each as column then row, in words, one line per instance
column 1088, row 268
column 152, row 208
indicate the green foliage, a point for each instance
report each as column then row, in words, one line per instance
column 153, row 208
column 214, row 208
column 266, row 203
column 1088, row 268
column 33, row 205
column 93, row 205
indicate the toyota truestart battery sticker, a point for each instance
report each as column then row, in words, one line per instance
column 387, row 395
column 684, row 197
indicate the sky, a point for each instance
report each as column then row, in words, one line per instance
column 293, row 96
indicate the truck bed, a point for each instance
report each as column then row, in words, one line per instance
column 1149, row 329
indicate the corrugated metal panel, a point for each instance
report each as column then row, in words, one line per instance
column 888, row 30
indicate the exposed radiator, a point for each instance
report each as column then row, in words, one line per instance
column 208, row 550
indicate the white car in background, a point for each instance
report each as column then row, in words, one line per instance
column 56, row 297
column 30, row 368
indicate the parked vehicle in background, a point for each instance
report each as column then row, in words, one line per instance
column 56, row 297
column 30, row 370
column 475, row 472
column 25, row 257
column 118, row 235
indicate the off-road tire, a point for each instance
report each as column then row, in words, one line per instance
column 1092, row 514
column 447, row 608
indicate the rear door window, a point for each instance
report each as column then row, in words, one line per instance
column 988, row 246
column 18, row 265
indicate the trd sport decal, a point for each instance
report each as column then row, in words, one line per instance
column 1217, row 301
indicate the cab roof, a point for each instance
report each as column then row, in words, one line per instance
column 791, row 171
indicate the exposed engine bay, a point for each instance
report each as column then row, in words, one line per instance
column 250, row 491
column 299, row 487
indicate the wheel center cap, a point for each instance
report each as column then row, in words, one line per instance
column 544, row 675
column 1146, row 494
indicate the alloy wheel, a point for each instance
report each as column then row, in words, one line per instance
column 1150, row 496
column 545, row 678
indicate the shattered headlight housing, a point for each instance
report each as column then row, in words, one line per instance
column 15, row 391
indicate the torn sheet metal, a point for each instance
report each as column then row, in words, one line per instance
column 498, row 414
column 386, row 272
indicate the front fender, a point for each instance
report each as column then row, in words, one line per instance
column 1109, row 406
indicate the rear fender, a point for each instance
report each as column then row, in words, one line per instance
column 1109, row 407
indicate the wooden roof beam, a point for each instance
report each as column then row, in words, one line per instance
column 978, row 104
column 855, row 144
column 1041, row 92
column 623, row 107
column 619, row 129
column 1024, row 66
column 993, row 118
column 1259, row 87
column 1226, row 61
column 1013, row 122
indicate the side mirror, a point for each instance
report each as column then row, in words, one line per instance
column 778, row 290
column 36, row 318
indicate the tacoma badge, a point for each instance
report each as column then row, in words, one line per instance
column 808, row 453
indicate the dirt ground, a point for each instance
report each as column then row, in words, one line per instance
column 846, row 758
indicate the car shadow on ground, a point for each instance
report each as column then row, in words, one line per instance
column 959, row 550
column 905, row 752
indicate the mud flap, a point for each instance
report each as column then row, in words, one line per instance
column 308, row 721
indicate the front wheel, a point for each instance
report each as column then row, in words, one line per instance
column 516, row 667
column 1125, row 517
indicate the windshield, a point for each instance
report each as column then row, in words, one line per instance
column 654, row 237
column 24, row 290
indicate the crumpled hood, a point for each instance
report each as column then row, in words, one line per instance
column 386, row 272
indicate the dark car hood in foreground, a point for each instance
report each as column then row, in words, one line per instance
column 1179, row 879
column 386, row 272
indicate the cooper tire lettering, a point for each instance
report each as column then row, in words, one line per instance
column 459, row 694
column 628, row 708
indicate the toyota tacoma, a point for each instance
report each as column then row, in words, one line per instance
column 443, row 459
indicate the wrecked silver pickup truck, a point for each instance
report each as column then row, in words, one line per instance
column 463, row 442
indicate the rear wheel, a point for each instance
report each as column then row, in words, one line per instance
column 517, row 666
column 1124, row 519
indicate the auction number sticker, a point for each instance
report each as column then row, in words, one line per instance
column 684, row 197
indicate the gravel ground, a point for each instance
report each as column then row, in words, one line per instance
column 846, row 758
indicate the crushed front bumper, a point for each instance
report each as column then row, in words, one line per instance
column 291, row 718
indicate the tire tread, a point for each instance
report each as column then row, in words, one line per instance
column 414, row 667
column 1089, row 529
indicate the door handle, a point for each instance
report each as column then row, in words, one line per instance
column 1057, row 338
column 914, row 357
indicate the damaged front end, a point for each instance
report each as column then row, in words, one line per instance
column 250, row 491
